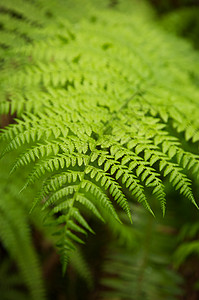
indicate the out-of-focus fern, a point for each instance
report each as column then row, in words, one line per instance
column 188, row 243
column 11, row 282
column 183, row 22
column 81, row 267
column 164, row 6
column 15, row 236
column 143, row 271
column 106, row 108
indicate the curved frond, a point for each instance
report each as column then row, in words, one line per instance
column 105, row 109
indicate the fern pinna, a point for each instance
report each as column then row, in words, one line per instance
column 106, row 108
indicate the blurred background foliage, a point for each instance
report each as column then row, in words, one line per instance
column 154, row 259
column 180, row 17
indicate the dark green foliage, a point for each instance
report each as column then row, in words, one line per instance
column 142, row 271
column 10, row 283
column 164, row 6
column 184, row 22
column 15, row 236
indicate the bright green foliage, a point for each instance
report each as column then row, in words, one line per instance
column 16, row 224
column 106, row 108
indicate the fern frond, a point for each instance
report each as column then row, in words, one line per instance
column 100, row 113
